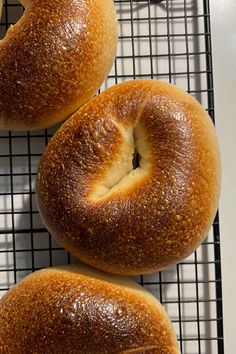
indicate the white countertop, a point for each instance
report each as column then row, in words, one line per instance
column 223, row 17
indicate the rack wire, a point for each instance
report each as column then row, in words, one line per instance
column 168, row 40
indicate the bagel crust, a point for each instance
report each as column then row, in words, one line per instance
column 78, row 310
column 124, row 220
column 54, row 60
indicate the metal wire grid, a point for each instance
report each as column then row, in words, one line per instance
column 167, row 40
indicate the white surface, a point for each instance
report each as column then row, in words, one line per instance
column 224, row 54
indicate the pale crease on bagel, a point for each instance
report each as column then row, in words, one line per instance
column 79, row 310
column 124, row 220
column 54, row 59
column 0, row 9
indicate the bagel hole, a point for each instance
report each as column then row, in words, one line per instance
column 130, row 166
column 136, row 159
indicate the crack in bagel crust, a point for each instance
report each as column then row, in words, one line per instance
column 151, row 349
column 0, row 9
column 123, row 220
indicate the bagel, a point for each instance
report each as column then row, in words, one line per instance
column 54, row 60
column 77, row 310
column 123, row 219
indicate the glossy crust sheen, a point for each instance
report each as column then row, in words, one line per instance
column 78, row 310
column 156, row 215
column 54, row 60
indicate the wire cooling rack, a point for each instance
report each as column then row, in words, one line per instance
column 168, row 40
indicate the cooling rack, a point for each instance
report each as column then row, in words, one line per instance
column 168, row 40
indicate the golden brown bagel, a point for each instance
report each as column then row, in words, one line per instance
column 78, row 310
column 54, row 60
column 123, row 220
